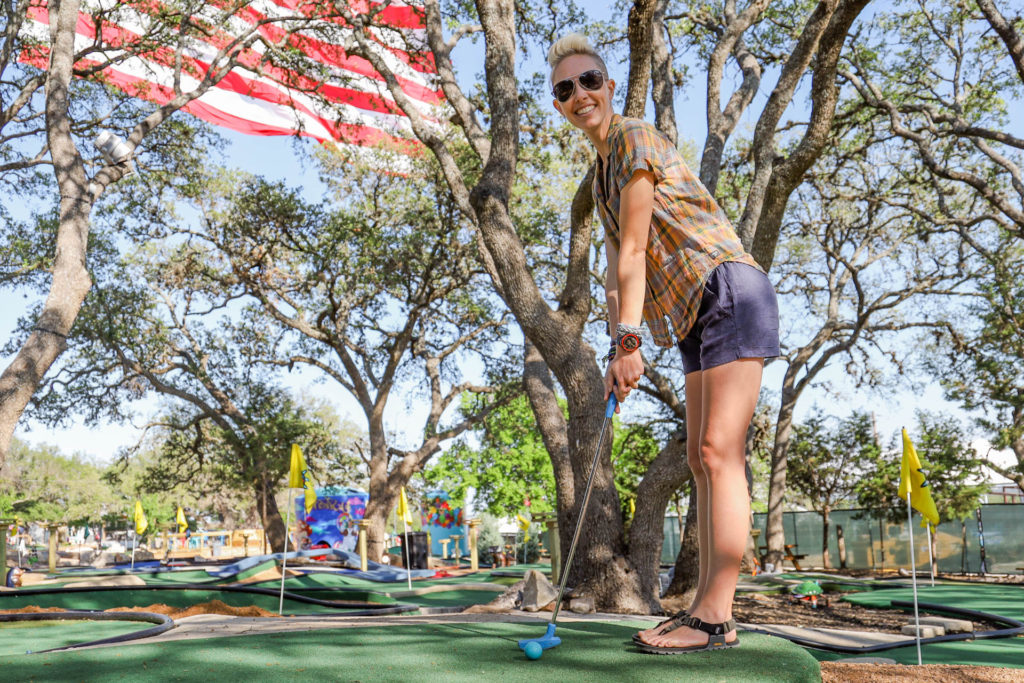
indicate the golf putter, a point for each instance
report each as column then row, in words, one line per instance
column 549, row 639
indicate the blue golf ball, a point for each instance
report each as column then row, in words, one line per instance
column 533, row 650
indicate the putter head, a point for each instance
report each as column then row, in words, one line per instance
column 547, row 641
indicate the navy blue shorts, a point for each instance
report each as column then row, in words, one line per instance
column 738, row 318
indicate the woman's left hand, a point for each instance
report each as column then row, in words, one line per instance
column 623, row 375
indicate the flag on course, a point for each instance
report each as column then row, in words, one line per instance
column 299, row 477
column 261, row 96
column 403, row 507
column 524, row 524
column 141, row 524
column 912, row 481
column 180, row 519
column 632, row 508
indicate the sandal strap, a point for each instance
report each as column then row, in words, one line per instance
column 680, row 613
column 712, row 629
column 682, row 619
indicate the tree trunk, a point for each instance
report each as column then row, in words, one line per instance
column 273, row 525
column 687, row 568
column 663, row 478
column 381, row 496
column 70, row 280
column 826, row 561
column 932, row 538
column 776, row 535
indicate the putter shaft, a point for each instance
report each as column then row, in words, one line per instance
column 609, row 411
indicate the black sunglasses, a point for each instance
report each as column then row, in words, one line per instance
column 590, row 80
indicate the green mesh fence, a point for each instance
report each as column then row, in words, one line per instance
column 871, row 543
column 670, row 546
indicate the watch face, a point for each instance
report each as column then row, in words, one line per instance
column 630, row 342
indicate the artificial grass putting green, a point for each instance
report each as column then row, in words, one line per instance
column 1003, row 599
column 448, row 653
column 19, row 637
column 1005, row 652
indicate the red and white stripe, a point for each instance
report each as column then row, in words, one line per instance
column 351, row 106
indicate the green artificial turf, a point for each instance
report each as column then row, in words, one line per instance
column 1003, row 599
column 444, row 653
column 1004, row 652
column 452, row 598
column 19, row 637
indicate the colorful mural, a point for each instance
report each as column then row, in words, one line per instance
column 442, row 518
column 333, row 520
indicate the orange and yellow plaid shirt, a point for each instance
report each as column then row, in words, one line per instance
column 690, row 234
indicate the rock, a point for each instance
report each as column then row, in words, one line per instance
column 537, row 591
column 582, row 605
column 506, row 602
column 926, row 631
column 949, row 624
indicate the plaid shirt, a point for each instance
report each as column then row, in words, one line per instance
column 690, row 234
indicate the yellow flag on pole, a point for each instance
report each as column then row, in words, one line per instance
column 632, row 508
column 912, row 481
column 524, row 524
column 299, row 477
column 403, row 507
column 180, row 519
column 140, row 519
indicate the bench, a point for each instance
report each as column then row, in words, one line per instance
column 789, row 555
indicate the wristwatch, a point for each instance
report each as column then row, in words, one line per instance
column 628, row 337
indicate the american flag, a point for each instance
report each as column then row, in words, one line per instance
column 348, row 102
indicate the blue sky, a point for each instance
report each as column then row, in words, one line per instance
column 276, row 158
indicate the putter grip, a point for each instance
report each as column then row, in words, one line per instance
column 610, row 409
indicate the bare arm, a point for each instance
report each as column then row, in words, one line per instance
column 635, row 209
column 627, row 269
column 611, row 286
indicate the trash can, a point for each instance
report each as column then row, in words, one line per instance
column 417, row 547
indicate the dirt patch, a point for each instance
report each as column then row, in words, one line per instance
column 211, row 607
column 839, row 672
column 32, row 609
column 831, row 612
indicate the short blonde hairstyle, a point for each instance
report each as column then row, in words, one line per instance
column 573, row 44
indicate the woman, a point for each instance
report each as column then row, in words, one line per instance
column 675, row 263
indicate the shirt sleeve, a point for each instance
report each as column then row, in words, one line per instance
column 637, row 147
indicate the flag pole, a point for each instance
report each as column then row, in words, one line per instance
column 931, row 562
column 134, row 545
column 408, row 552
column 913, row 574
column 284, row 557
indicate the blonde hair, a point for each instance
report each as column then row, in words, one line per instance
column 573, row 44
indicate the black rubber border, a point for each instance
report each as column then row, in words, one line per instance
column 162, row 621
column 1014, row 628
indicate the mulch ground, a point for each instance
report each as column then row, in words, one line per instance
column 211, row 607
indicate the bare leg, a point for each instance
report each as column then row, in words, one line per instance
column 729, row 395
column 694, row 421
column 693, row 426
